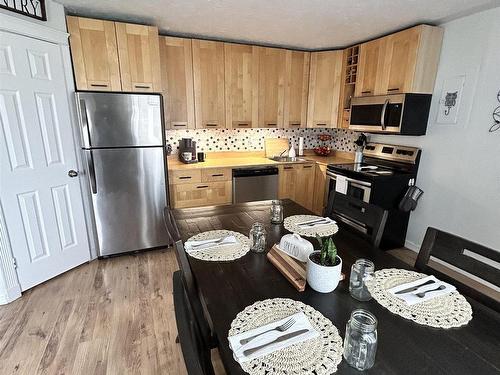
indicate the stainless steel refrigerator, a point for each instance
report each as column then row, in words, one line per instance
column 125, row 164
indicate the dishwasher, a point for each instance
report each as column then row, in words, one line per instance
column 255, row 184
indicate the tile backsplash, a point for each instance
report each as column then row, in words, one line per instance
column 214, row 140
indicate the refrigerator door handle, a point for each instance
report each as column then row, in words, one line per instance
column 91, row 169
column 84, row 118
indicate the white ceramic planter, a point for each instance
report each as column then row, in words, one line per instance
column 323, row 279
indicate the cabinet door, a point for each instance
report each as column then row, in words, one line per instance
column 201, row 194
column 296, row 89
column 241, row 82
column 139, row 56
column 271, row 87
column 319, row 194
column 371, row 60
column 324, row 89
column 400, row 61
column 304, row 190
column 94, row 54
column 208, row 76
column 176, row 65
column 287, row 182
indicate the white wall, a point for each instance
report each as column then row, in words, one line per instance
column 55, row 16
column 460, row 165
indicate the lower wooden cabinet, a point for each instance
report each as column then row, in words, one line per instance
column 201, row 194
column 296, row 182
column 319, row 195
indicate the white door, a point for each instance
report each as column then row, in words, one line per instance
column 42, row 203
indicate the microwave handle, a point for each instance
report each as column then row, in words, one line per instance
column 382, row 116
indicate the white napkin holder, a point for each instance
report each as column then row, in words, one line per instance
column 295, row 246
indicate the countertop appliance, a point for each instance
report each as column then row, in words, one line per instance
column 404, row 114
column 123, row 150
column 255, row 184
column 382, row 179
column 187, row 147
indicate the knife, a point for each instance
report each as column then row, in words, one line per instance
column 313, row 222
column 413, row 288
column 279, row 339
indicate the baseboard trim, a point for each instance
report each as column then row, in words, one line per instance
column 412, row 246
column 10, row 295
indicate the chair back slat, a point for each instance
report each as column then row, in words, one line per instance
column 466, row 255
column 373, row 217
column 188, row 279
column 469, row 256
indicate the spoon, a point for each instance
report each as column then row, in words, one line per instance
column 422, row 294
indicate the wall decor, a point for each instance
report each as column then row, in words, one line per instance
column 215, row 140
column 449, row 102
column 496, row 116
column 30, row 8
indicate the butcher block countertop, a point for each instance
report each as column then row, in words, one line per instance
column 235, row 159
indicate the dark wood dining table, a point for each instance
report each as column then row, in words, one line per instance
column 404, row 347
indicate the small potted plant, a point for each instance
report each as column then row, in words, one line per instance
column 324, row 267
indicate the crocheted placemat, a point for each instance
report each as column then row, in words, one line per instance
column 291, row 222
column 320, row 355
column 223, row 252
column 446, row 311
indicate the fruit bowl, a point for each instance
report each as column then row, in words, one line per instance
column 322, row 151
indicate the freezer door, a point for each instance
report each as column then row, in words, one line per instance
column 119, row 120
column 128, row 197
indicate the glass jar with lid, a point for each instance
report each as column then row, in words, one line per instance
column 258, row 238
column 276, row 212
column 360, row 343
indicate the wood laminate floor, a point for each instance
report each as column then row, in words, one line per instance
column 112, row 316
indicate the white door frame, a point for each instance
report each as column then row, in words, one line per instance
column 10, row 289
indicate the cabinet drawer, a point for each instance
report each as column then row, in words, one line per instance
column 201, row 194
column 216, row 174
column 185, row 176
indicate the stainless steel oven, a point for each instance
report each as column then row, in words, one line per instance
column 355, row 188
column 405, row 114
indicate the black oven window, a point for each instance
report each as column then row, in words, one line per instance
column 355, row 192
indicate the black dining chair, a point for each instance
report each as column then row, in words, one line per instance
column 466, row 255
column 192, row 301
column 341, row 206
column 196, row 355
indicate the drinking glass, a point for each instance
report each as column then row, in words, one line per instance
column 258, row 238
column 360, row 343
column 276, row 212
column 361, row 271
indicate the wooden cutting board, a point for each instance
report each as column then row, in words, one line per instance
column 293, row 270
column 275, row 146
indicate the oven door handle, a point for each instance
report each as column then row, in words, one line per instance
column 357, row 182
column 382, row 115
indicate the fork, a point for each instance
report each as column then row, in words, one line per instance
column 312, row 224
column 281, row 328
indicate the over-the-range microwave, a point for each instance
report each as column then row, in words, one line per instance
column 404, row 114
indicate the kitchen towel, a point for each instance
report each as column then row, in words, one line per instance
column 341, row 184
column 412, row 297
column 191, row 246
column 301, row 322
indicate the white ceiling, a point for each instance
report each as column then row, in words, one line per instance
column 310, row 24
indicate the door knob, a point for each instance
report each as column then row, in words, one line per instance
column 72, row 173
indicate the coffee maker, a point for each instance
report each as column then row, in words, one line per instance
column 187, row 151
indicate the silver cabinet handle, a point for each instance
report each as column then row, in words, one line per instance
column 382, row 116
column 72, row 173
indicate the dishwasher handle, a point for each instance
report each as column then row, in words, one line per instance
column 253, row 172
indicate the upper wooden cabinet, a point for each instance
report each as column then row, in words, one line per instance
column 324, row 89
column 271, row 87
column 176, row 65
column 404, row 62
column 94, row 53
column 371, row 61
column 138, row 53
column 208, row 76
column 241, row 85
column 296, row 89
